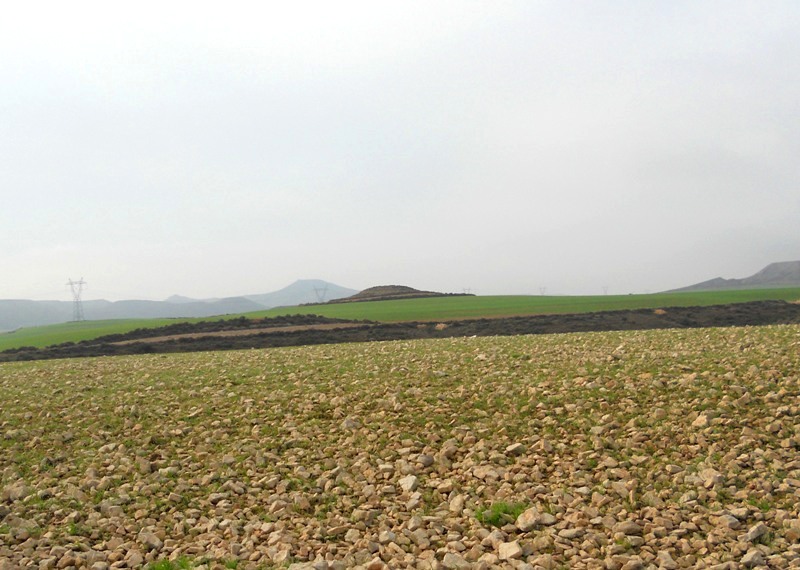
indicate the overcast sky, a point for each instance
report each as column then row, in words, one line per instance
column 222, row 148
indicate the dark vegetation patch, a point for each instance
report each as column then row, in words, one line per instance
column 740, row 314
column 238, row 324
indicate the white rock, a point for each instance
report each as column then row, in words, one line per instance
column 628, row 528
column 455, row 561
column 150, row 540
column 457, row 504
column 352, row 535
column 509, row 550
column 546, row 519
column 408, row 483
column 527, row 520
column 753, row 558
column 756, row 531
column 666, row 561
column 730, row 521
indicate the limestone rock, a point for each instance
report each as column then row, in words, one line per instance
column 509, row 550
column 753, row 558
column 628, row 528
column 666, row 561
column 408, row 483
column 455, row 562
column 756, row 531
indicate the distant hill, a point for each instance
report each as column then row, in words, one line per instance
column 181, row 299
column 302, row 292
column 23, row 313
column 773, row 276
column 16, row 313
column 392, row 292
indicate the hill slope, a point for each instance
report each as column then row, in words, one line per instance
column 774, row 275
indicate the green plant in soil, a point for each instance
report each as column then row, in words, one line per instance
column 500, row 513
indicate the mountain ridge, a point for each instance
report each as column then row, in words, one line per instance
column 16, row 313
column 774, row 275
column 302, row 291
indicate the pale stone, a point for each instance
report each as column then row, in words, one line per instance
column 753, row 558
column 408, row 483
column 666, row 561
column 527, row 520
column 628, row 528
column 150, row 540
column 509, row 550
column 756, row 531
column 455, row 561
column 457, row 504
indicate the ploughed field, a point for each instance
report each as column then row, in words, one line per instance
column 638, row 449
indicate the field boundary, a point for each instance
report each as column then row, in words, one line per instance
column 247, row 336
column 411, row 310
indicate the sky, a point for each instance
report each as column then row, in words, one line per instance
column 214, row 149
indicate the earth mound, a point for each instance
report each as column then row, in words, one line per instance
column 392, row 292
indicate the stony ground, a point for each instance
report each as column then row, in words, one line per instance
column 661, row 449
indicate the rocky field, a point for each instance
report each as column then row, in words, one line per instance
column 622, row 450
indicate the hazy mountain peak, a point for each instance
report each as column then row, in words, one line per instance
column 774, row 275
column 180, row 299
column 301, row 292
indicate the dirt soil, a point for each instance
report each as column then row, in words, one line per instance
column 309, row 330
column 241, row 332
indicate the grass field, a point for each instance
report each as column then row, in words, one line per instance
column 426, row 309
column 642, row 449
column 430, row 309
column 75, row 332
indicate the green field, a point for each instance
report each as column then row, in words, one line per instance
column 75, row 332
column 426, row 309
column 437, row 309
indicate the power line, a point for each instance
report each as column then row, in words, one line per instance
column 77, row 305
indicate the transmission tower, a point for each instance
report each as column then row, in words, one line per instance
column 77, row 305
column 321, row 293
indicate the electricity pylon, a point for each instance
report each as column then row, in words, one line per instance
column 77, row 305
column 321, row 293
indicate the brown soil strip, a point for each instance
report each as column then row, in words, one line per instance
column 241, row 332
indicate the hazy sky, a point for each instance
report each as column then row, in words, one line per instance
column 224, row 148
